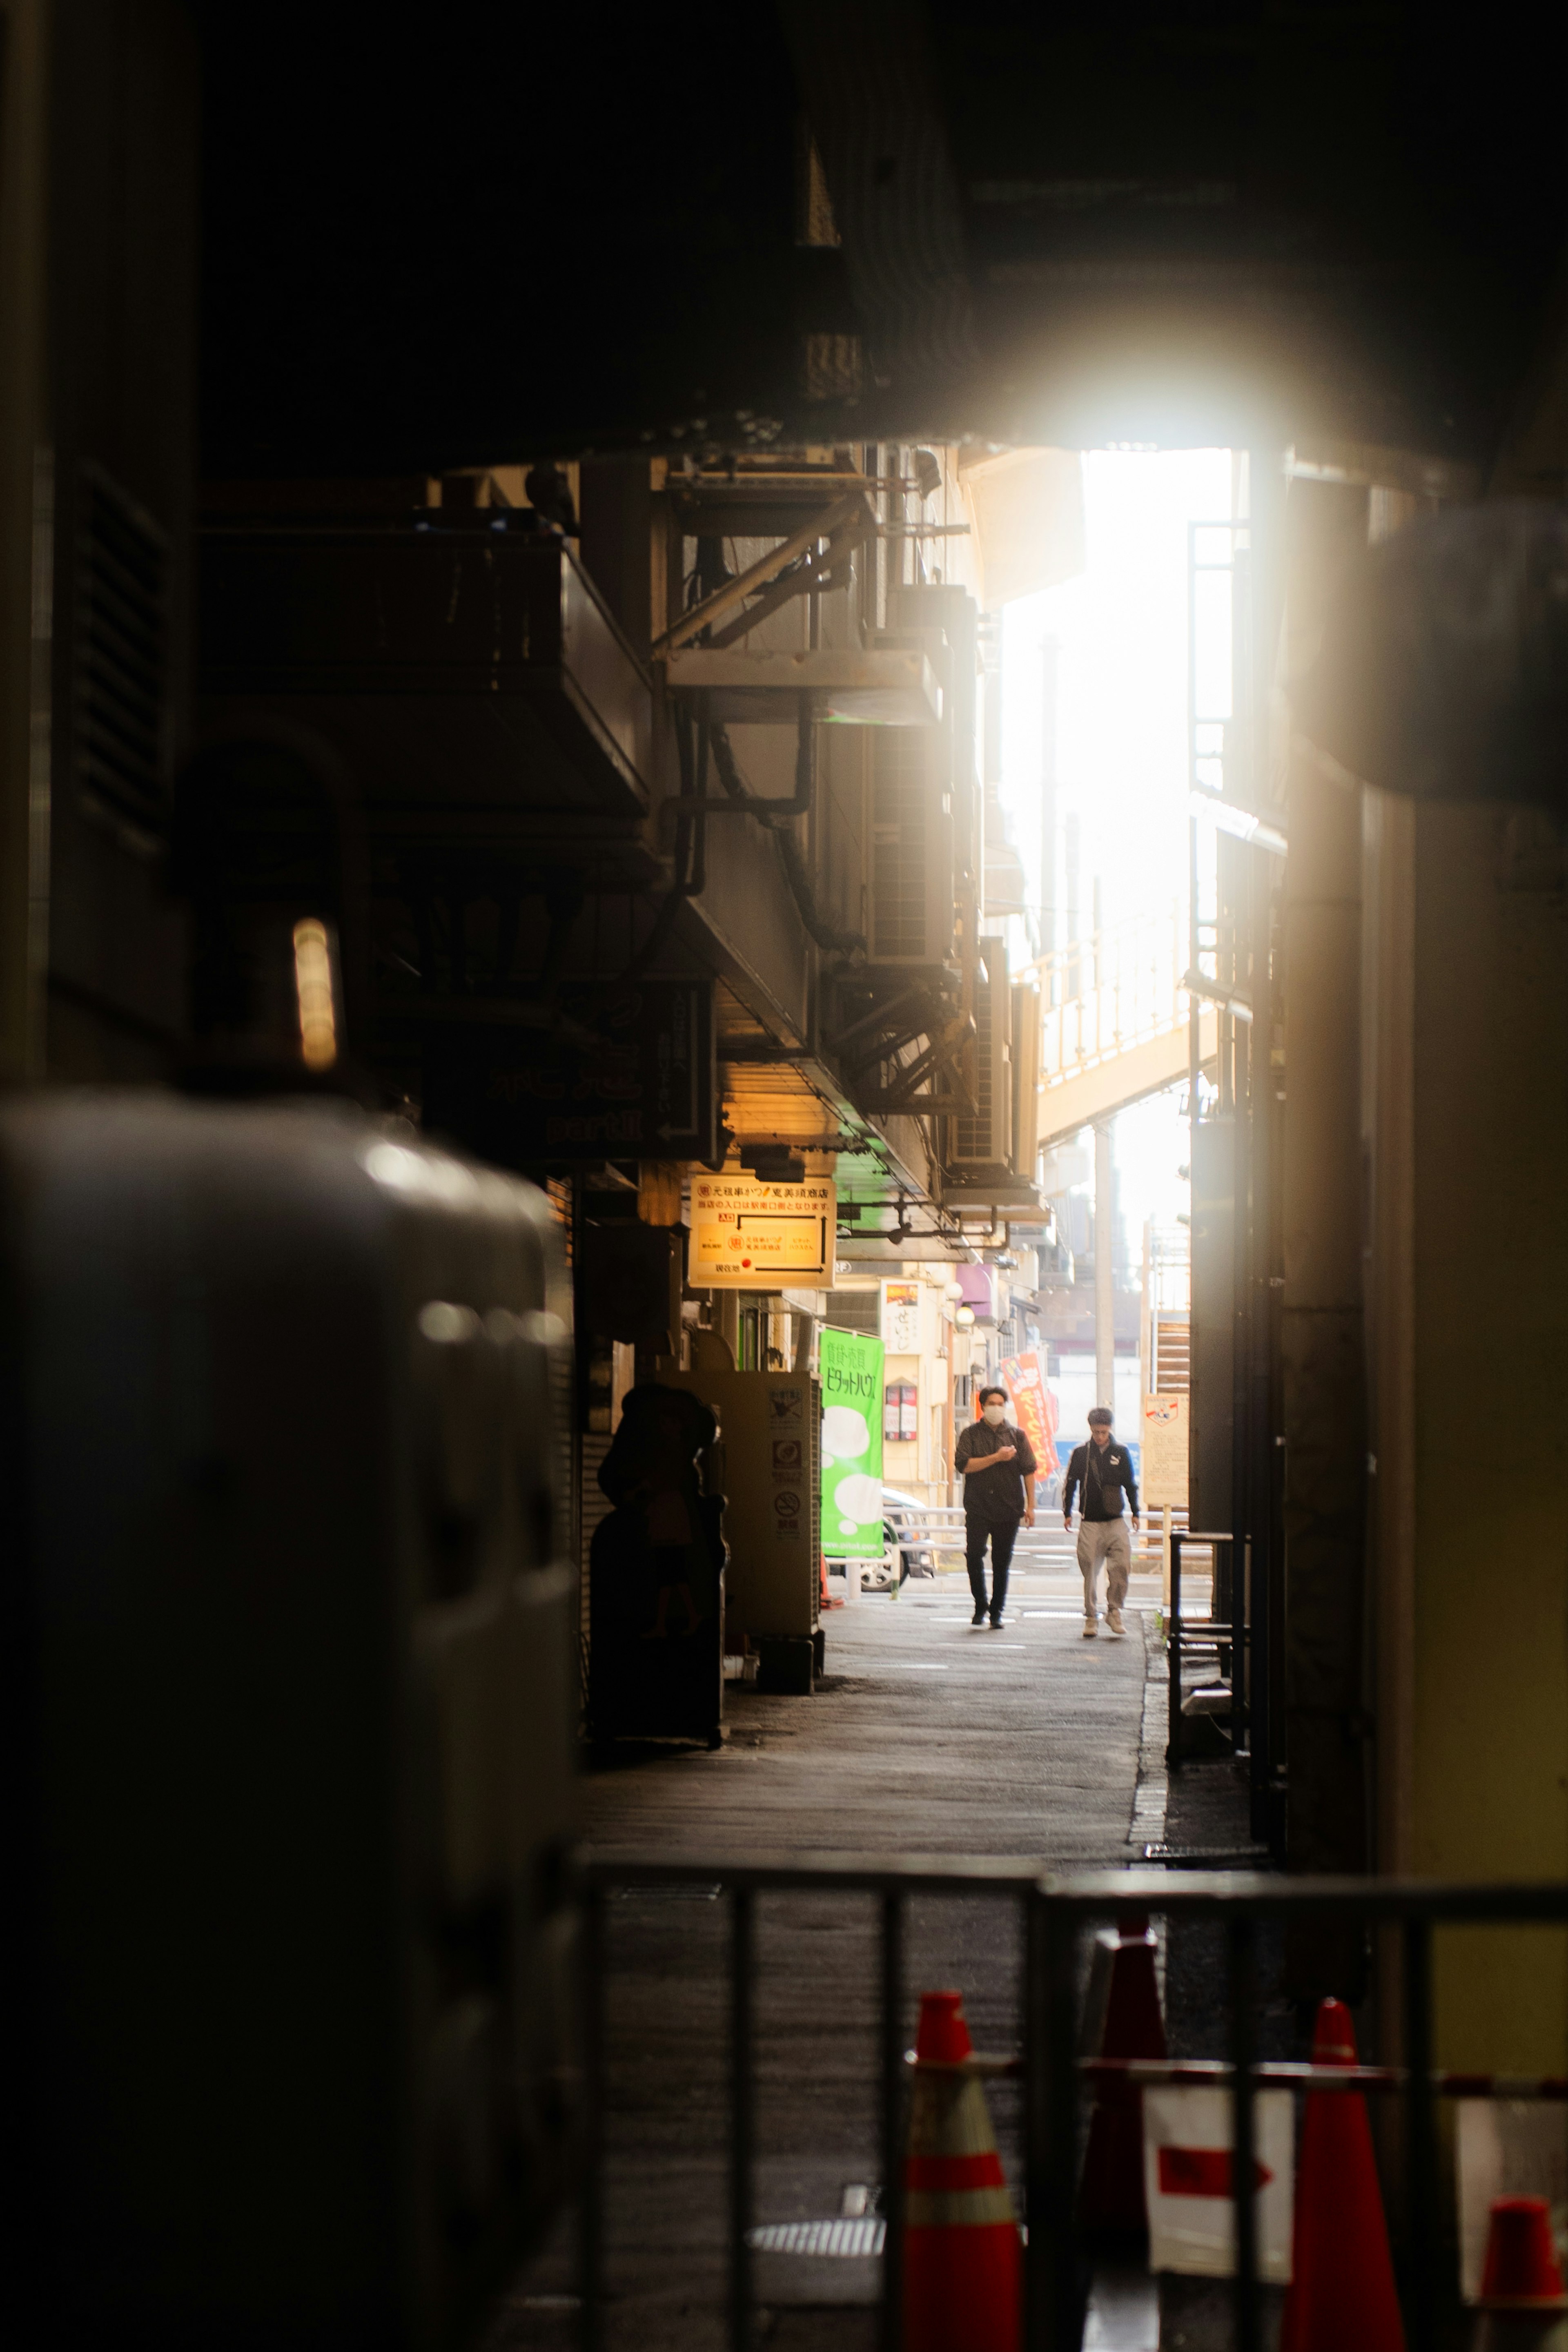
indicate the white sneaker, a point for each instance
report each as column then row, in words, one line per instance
column 1091, row 1627
column 1113, row 1621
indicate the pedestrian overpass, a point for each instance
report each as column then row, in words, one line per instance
column 1114, row 1021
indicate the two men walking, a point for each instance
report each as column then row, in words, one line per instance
column 1101, row 1472
column 997, row 1467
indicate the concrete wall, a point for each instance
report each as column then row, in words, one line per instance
column 1469, row 1310
column 1321, row 1330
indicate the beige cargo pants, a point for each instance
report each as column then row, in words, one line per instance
column 1107, row 1540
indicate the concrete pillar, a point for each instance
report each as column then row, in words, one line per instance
column 1104, row 1274
column 805, row 1332
column 1321, row 1333
column 25, row 535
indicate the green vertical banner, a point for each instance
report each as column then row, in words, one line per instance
column 852, row 1445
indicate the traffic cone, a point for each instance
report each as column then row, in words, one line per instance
column 1524, row 2306
column 1341, row 2296
column 1111, row 2198
column 962, row 2275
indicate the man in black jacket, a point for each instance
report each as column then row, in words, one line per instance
column 1105, row 1471
column 997, row 1467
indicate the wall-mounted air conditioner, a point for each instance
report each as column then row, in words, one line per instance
column 1026, row 1054
column 923, row 787
column 983, row 1139
column 911, row 912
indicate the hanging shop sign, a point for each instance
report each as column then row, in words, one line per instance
column 900, row 1318
column 851, row 1368
column 1034, row 1404
column 747, row 1235
column 630, row 1079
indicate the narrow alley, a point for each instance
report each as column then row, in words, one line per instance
column 783, row 816
column 959, row 1741
column 1031, row 1742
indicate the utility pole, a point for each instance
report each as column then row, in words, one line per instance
column 1049, row 652
column 1104, row 1274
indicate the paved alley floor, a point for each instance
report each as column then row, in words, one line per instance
column 926, row 1737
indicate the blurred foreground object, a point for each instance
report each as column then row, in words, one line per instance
column 1444, row 666
column 288, row 1716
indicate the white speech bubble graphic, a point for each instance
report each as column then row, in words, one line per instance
column 845, row 1434
column 860, row 1498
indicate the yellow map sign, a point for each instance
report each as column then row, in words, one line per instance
column 751, row 1236
column 1162, row 1454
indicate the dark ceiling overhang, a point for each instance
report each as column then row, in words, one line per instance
column 1443, row 671
column 464, row 240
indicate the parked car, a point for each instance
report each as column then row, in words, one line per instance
column 905, row 1550
column 901, row 1531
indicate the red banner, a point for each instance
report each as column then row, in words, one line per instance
column 1034, row 1404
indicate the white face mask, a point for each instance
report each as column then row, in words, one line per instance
column 995, row 1414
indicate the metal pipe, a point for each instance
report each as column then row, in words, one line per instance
column 742, row 799
column 1094, row 1895
column 741, row 2117
column 1037, row 2119
column 732, row 594
column 1243, row 2135
column 1173, row 1657
column 1104, row 1274
column 892, row 2152
column 1421, row 2152
column 1056, row 2309
column 590, row 2211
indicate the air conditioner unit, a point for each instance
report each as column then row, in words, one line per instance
column 983, row 1139
column 912, row 895
column 922, row 782
column 1025, row 1059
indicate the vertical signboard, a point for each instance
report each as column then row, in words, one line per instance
column 1034, row 1404
column 900, row 1318
column 1163, row 1456
column 852, row 1364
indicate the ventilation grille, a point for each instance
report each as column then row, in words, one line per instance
column 855, row 1310
column 982, row 1138
column 574, row 1525
column 122, row 582
column 899, row 847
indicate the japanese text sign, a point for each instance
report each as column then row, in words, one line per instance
column 852, row 1369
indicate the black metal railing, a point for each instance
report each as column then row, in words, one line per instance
column 1055, row 1913
column 1185, row 1635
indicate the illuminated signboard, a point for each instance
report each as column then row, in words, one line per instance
column 751, row 1236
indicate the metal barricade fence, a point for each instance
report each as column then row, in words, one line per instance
column 1056, row 1911
column 939, row 1529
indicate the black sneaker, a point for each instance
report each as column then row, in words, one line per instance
column 997, row 1623
column 980, row 1616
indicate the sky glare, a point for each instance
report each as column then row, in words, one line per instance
column 1120, row 635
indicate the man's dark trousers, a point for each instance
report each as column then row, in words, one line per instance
column 1003, row 1534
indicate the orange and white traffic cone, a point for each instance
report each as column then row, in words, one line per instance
column 1342, row 2296
column 1110, row 2198
column 1524, row 2306
column 962, row 2273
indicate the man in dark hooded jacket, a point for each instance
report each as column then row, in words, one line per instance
column 1103, row 1471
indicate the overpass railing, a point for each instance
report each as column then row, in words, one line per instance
column 1119, row 987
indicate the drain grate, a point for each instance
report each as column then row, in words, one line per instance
column 846, row 2238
